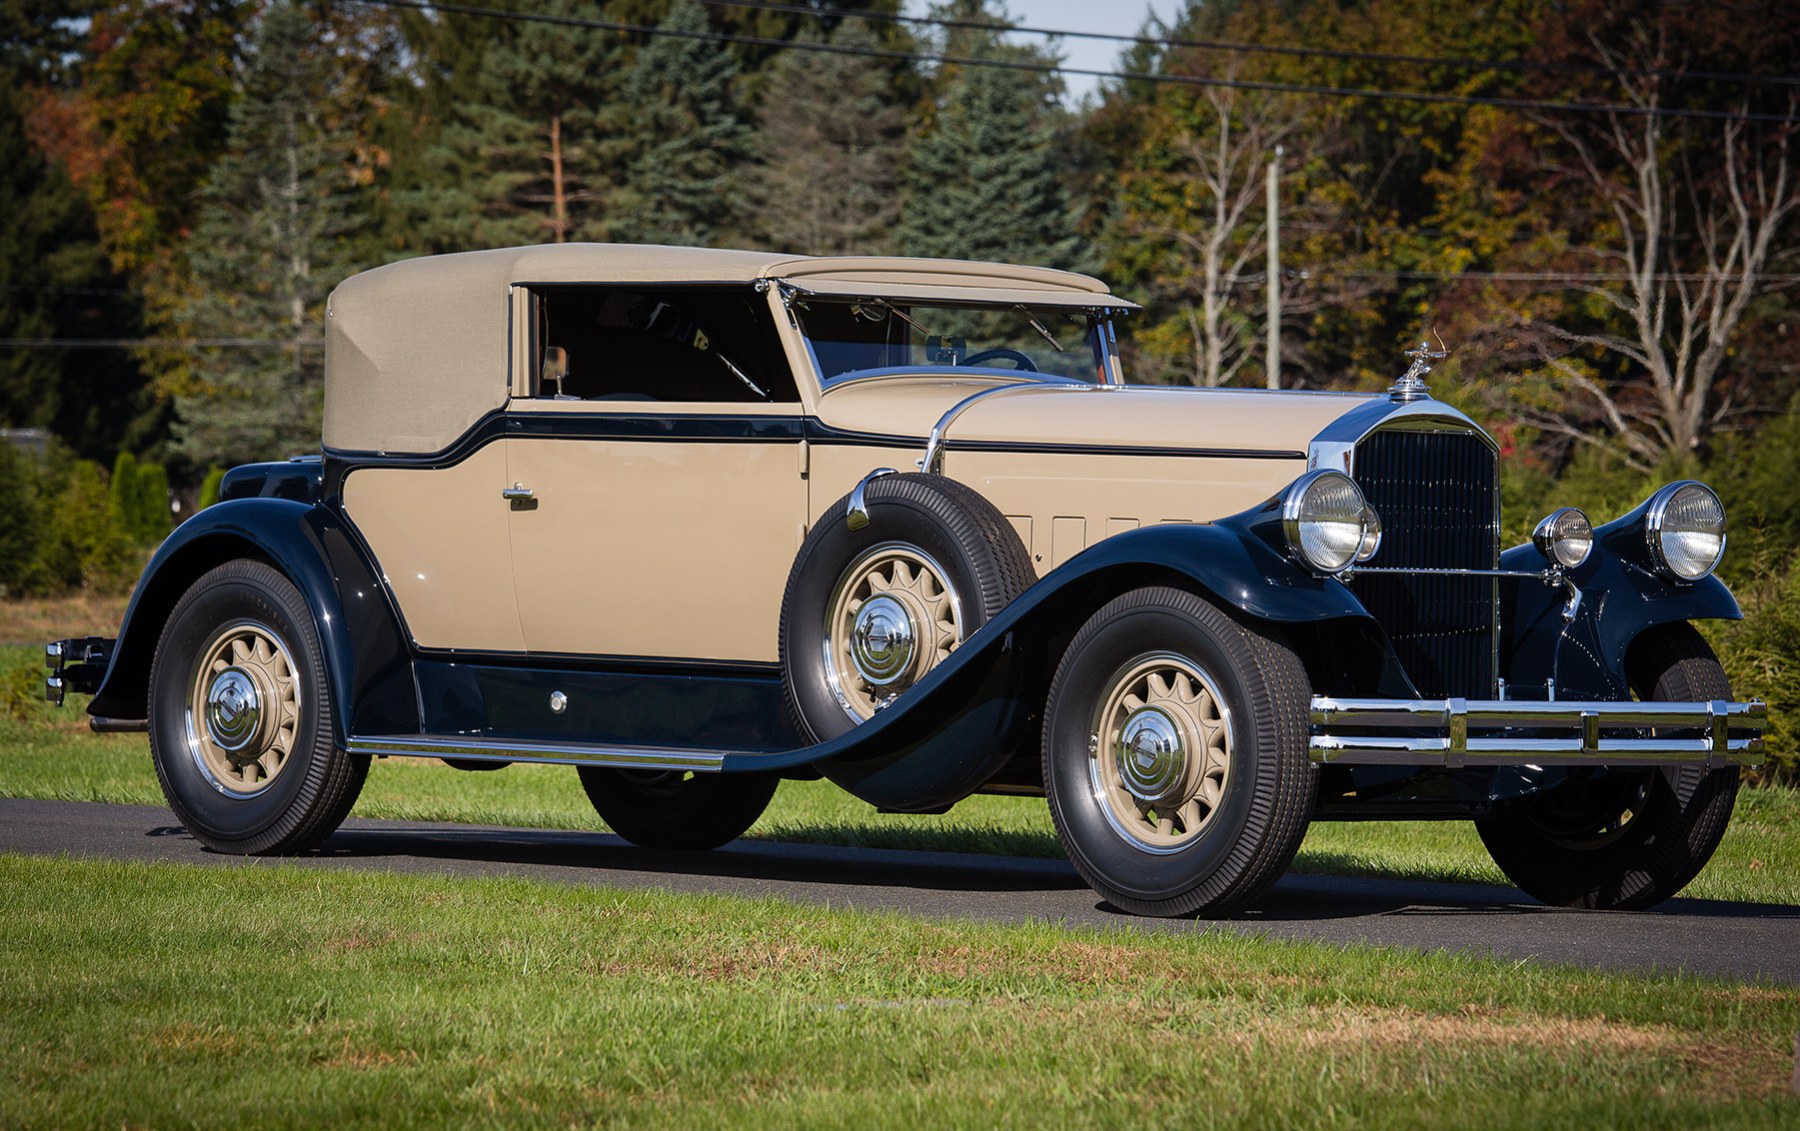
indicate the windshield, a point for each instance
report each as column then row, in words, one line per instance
column 864, row 337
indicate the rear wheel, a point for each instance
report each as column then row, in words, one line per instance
column 1175, row 755
column 677, row 809
column 241, row 726
column 1625, row 839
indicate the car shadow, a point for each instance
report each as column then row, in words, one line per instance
column 1297, row 897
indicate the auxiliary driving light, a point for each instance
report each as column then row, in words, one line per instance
column 1565, row 536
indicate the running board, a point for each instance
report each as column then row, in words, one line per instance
column 471, row 749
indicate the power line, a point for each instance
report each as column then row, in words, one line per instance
column 1255, row 48
column 1053, row 69
column 157, row 343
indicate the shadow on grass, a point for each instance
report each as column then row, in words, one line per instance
column 990, row 841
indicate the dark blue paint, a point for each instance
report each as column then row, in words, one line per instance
column 366, row 657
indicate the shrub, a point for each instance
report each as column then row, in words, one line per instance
column 209, row 487
column 20, row 516
column 82, row 543
column 154, row 519
column 1761, row 654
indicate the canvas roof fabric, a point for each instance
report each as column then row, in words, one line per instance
column 417, row 351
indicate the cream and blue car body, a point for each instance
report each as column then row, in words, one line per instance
column 696, row 520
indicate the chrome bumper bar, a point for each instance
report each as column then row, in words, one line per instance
column 1508, row 732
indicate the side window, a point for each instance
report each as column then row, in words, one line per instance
column 658, row 344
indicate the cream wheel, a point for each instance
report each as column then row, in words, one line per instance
column 244, row 708
column 893, row 617
column 1160, row 750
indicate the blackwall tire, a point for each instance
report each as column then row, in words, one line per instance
column 241, row 724
column 868, row 612
column 1625, row 840
column 673, row 809
column 1175, row 757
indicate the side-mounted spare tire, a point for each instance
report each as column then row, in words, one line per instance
column 241, row 716
column 868, row 612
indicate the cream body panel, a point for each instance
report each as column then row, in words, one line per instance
column 665, row 548
column 1070, row 502
column 1143, row 416
column 440, row 540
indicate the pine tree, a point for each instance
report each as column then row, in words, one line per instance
column 832, row 142
column 686, row 138
column 521, row 157
column 985, row 179
column 55, row 281
column 267, row 252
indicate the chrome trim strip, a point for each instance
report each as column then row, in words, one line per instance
column 469, row 748
column 1456, row 720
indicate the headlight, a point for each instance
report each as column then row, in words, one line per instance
column 1686, row 530
column 1325, row 520
column 1565, row 537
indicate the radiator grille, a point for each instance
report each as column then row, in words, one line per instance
column 1436, row 494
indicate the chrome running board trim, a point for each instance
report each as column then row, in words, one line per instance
column 472, row 749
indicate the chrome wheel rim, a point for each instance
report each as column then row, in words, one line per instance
column 243, row 708
column 892, row 617
column 1159, row 751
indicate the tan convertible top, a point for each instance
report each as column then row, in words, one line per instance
column 417, row 351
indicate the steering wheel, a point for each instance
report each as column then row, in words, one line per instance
column 1019, row 359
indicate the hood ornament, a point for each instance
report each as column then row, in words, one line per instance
column 1411, row 385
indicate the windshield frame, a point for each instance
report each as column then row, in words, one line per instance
column 1099, row 341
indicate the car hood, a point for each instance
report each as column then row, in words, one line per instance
column 1084, row 416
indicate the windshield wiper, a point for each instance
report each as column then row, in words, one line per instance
column 1039, row 327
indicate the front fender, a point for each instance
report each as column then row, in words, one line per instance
column 366, row 659
column 1620, row 599
column 962, row 722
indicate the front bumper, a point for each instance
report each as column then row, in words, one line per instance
column 1514, row 732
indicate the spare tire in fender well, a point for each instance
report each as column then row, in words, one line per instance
column 366, row 656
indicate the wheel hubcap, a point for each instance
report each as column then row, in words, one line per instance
column 244, row 710
column 1152, row 762
column 1160, row 751
column 233, row 709
column 892, row 618
column 881, row 643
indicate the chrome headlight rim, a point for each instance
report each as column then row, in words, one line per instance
column 1559, row 529
column 1656, row 516
column 1293, row 516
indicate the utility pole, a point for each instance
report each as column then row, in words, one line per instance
column 1272, row 358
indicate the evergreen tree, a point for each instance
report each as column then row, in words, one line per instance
column 55, row 282
column 267, row 252
column 686, row 139
column 985, row 179
column 832, row 141
column 521, row 157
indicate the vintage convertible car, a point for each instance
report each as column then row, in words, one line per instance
column 693, row 521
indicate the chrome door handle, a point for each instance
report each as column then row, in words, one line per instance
column 515, row 493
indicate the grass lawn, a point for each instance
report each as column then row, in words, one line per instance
column 49, row 753
column 271, row 995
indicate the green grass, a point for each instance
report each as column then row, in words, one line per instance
column 274, row 995
column 49, row 753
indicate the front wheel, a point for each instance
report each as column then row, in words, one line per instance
column 1175, row 755
column 241, row 717
column 1625, row 839
column 676, row 809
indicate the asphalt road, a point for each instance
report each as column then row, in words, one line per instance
column 1734, row 940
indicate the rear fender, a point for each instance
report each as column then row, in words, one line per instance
column 366, row 658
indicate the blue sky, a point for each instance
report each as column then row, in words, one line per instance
column 1118, row 17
